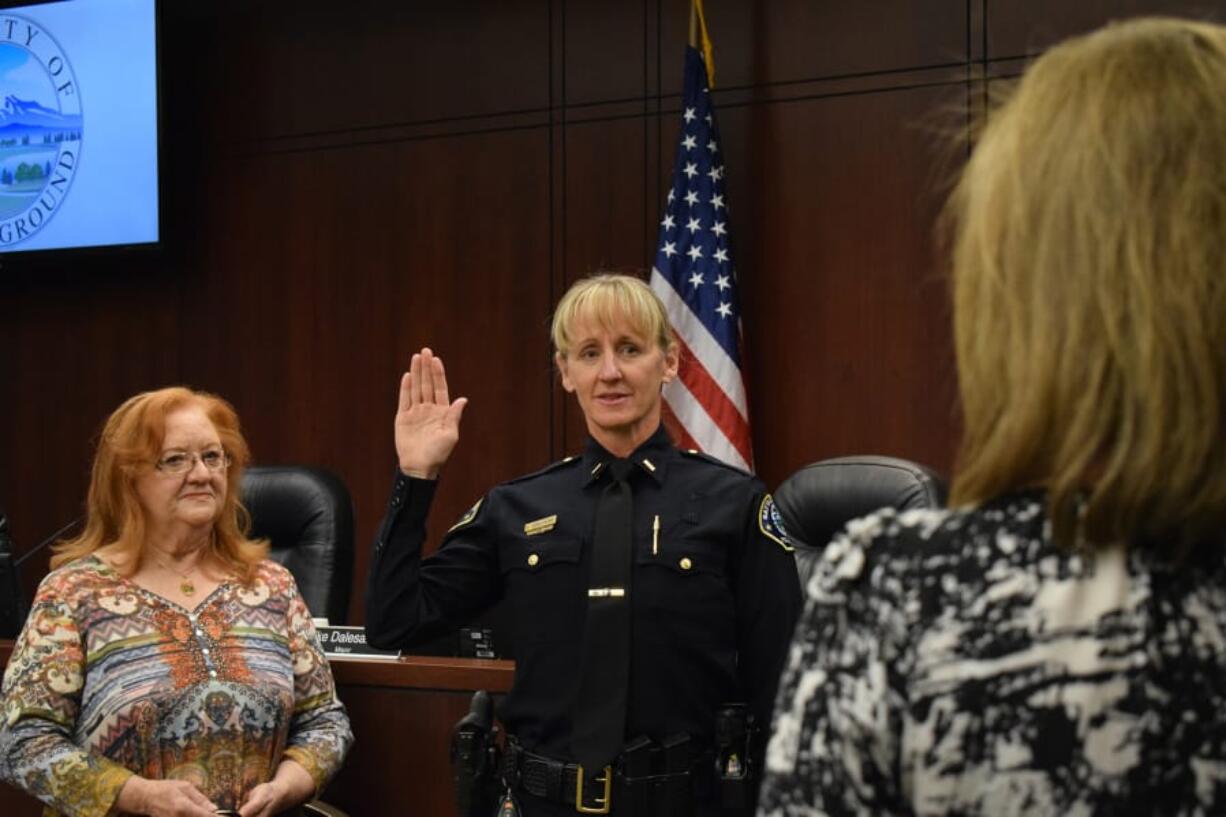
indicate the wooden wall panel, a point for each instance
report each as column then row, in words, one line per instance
column 291, row 67
column 781, row 41
column 1018, row 28
column 82, row 343
column 845, row 313
column 605, row 49
column 356, row 274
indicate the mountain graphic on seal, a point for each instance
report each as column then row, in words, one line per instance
column 19, row 117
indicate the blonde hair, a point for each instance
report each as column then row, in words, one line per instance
column 129, row 445
column 1089, row 287
column 608, row 297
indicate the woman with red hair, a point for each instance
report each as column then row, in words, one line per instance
column 168, row 668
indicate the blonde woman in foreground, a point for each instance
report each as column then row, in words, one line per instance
column 1056, row 642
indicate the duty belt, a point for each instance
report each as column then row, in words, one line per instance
column 645, row 780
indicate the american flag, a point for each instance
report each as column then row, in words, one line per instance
column 705, row 406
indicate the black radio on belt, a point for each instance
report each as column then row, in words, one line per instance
column 474, row 758
column 734, row 768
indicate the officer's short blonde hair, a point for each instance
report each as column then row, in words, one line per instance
column 609, row 298
column 1089, row 284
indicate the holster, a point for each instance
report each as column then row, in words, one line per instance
column 474, row 758
column 735, row 766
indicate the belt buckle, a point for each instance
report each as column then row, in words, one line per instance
column 604, row 802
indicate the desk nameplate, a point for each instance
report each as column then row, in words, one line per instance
column 350, row 642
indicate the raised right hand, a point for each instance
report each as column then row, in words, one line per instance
column 163, row 798
column 427, row 424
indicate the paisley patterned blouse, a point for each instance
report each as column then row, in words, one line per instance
column 108, row 679
column 957, row 663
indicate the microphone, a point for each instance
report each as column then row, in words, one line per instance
column 41, row 545
column 13, row 609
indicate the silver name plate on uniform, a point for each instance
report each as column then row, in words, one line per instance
column 349, row 642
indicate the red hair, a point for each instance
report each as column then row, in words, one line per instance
column 129, row 445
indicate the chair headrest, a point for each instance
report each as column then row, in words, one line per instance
column 288, row 503
column 818, row 500
column 307, row 517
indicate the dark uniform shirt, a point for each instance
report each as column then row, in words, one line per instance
column 714, row 592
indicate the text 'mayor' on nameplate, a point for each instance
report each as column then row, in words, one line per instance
column 349, row 642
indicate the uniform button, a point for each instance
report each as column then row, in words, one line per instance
column 686, row 564
column 396, row 500
column 533, row 559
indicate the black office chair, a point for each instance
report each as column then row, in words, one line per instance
column 818, row 500
column 12, row 608
column 307, row 517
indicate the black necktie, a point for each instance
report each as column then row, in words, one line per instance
column 600, row 710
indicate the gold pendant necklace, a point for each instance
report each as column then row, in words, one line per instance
column 186, row 586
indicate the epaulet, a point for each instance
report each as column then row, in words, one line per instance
column 548, row 469
column 695, row 454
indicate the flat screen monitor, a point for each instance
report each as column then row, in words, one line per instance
column 78, row 125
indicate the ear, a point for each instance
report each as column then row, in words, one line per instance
column 672, row 360
column 563, row 372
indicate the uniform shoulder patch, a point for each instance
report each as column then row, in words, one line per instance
column 468, row 516
column 546, row 470
column 770, row 522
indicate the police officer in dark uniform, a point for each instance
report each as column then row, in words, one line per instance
column 648, row 588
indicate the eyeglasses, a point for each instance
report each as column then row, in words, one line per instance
column 180, row 462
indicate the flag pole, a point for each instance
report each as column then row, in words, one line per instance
column 698, row 32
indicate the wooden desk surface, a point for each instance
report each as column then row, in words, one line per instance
column 402, row 713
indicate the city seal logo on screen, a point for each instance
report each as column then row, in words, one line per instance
column 40, row 128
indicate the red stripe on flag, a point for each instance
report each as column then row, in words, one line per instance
column 711, row 397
